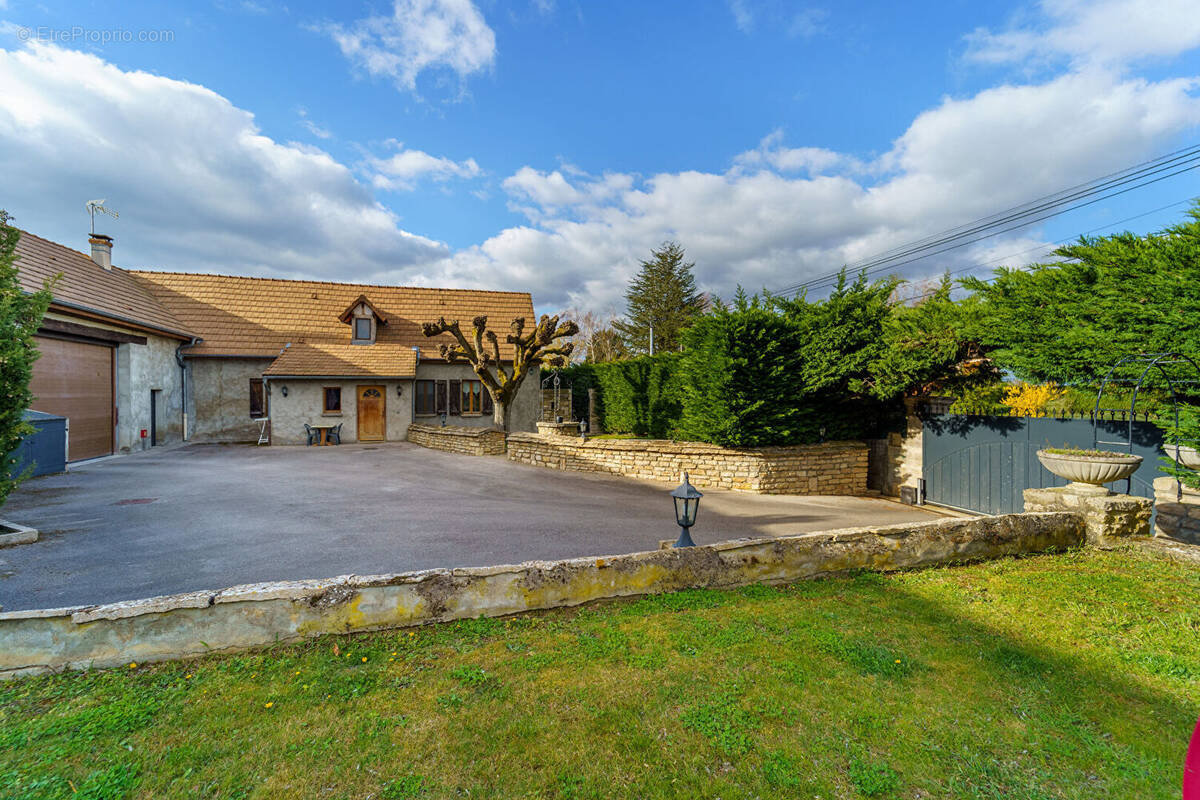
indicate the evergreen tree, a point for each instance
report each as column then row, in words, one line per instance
column 1117, row 295
column 20, row 316
column 662, row 296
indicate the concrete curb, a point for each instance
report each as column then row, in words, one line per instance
column 12, row 534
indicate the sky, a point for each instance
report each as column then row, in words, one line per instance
column 548, row 145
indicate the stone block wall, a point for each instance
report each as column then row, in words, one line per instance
column 458, row 439
column 1178, row 513
column 1109, row 519
column 829, row 468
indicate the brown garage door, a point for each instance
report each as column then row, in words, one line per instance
column 75, row 380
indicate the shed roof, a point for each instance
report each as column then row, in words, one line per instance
column 345, row 361
column 86, row 286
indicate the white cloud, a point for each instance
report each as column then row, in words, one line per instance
column 814, row 160
column 199, row 188
column 805, row 23
column 763, row 226
column 419, row 35
column 1096, row 32
column 312, row 127
column 405, row 168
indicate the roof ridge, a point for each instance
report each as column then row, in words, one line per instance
column 140, row 272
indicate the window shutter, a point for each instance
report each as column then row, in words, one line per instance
column 456, row 397
column 488, row 406
column 441, row 397
column 256, row 397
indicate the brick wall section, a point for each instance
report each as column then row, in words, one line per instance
column 1178, row 517
column 458, row 439
column 830, row 468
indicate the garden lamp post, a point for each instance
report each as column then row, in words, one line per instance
column 443, row 417
column 687, row 503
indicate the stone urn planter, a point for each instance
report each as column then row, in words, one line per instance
column 1089, row 470
column 1188, row 456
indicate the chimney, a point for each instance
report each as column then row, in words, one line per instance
column 101, row 249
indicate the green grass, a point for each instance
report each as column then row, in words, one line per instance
column 1065, row 676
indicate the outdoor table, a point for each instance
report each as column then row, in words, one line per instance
column 323, row 431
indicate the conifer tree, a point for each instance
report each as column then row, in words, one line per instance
column 20, row 315
column 663, row 296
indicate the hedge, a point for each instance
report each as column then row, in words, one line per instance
column 640, row 396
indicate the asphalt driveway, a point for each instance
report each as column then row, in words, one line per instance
column 212, row 516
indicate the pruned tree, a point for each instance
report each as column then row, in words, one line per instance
column 482, row 351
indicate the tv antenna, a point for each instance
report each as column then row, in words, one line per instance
column 94, row 206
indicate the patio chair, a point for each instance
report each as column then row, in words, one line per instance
column 335, row 434
column 313, row 436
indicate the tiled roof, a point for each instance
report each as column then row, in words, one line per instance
column 258, row 316
column 115, row 293
column 345, row 360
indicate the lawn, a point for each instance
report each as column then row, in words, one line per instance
column 1063, row 676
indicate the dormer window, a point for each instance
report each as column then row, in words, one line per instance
column 364, row 321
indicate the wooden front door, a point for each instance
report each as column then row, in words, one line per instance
column 371, row 407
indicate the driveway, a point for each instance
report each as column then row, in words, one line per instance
column 211, row 516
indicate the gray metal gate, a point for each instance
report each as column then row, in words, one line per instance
column 984, row 463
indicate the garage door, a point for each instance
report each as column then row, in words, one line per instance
column 75, row 380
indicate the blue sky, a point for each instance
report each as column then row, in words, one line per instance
column 547, row 146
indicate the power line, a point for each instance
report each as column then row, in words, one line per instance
column 1054, row 246
column 1020, row 216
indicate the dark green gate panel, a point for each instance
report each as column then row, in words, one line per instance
column 984, row 463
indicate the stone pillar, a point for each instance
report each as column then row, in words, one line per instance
column 1178, row 511
column 903, row 468
column 593, row 417
column 1109, row 519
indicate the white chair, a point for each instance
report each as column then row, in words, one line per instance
column 263, row 422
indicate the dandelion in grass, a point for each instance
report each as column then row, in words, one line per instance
column 268, row 705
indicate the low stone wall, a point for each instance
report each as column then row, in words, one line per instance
column 1109, row 519
column 457, row 439
column 1178, row 511
column 829, row 468
column 259, row 615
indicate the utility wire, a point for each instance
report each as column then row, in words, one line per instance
column 1020, row 216
column 1053, row 245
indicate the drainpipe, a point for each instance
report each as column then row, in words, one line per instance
column 183, row 382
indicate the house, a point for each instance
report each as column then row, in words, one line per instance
column 137, row 358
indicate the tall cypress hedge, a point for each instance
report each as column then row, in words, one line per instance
column 640, row 396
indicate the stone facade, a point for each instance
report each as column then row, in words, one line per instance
column 219, row 402
column 830, row 468
column 458, row 439
column 145, row 372
column 1178, row 511
column 1109, row 519
column 305, row 403
column 262, row 615
column 522, row 413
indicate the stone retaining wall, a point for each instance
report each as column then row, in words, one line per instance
column 458, row 439
column 1109, row 519
column 1178, row 512
column 260, row 615
column 829, row 468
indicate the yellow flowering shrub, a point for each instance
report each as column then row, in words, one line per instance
column 1031, row 400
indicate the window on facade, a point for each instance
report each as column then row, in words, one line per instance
column 472, row 397
column 333, row 399
column 426, row 404
column 256, row 397
column 362, row 329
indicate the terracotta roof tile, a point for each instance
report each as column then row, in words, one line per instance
column 259, row 316
column 345, row 360
column 114, row 293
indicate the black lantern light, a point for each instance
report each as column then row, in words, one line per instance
column 687, row 504
column 583, row 429
column 443, row 419
column 283, row 390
